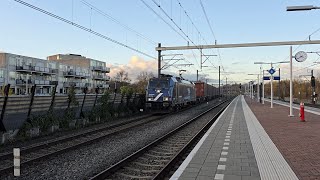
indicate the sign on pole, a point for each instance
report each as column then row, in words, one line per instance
column 272, row 71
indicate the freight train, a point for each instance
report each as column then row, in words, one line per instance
column 168, row 93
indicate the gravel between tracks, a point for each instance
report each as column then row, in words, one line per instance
column 86, row 161
column 8, row 147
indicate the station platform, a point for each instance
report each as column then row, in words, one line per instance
column 253, row 141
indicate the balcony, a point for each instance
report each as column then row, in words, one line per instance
column 80, row 84
column 100, row 69
column 54, row 71
column 81, row 75
column 103, row 85
column 23, row 81
column 101, row 77
column 53, row 82
column 36, row 69
column 24, row 68
column 69, row 84
column 42, row 82
column 69, row 74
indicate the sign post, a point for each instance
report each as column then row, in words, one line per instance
column 271, row 71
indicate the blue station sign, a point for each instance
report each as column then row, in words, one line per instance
column 267, row 78
column 272, row 71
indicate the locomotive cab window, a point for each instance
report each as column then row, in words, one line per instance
column 158, row 84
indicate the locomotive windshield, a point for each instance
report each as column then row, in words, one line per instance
column 158, row 84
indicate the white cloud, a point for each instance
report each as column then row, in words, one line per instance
column 134, row 67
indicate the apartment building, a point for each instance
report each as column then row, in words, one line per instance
column 22, row 72
column 86, row 67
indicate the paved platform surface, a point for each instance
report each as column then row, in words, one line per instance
column 298, row 142
column 235, row 147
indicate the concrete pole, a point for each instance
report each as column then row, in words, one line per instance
column 258, row 88
column 27, row 83
column 251, row 89
column 159, row 60
column 279, row 83
column 262, row 88
column 226, row 86
column 197, row 75
column 271, row 80
column 291, row 98
column 201, row 59
column 219, row 83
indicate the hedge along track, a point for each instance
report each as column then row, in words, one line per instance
column 156, row 160
column 62, row 144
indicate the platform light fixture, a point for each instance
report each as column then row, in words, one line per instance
column 302, row 8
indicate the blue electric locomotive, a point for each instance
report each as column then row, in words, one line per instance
column 167, row 93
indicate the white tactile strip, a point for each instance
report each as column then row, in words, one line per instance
column 224, row 152
column 270, row 161
column 185, row 163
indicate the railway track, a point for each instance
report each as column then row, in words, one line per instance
column 157, row 159
column 59, row 145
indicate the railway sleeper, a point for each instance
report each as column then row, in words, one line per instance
column 173, row 147
column 155, row 152
column 166, row 150
column 137, row 172
column 142, row 171
column 124, row 176
column 143, row 165
column 151, row 161
column 158, row 156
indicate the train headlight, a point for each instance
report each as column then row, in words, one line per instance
column 150, row 99
column 165, row 98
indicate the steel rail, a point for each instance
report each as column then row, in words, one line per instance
column 111, row 170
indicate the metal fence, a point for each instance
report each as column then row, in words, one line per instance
column 15, row 110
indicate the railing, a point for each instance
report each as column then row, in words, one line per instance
column 69, row 84
column 69, row 73
column 101, row 77
column 103, row 85
column 23, row 81
column 36, row 69
column 100, row 68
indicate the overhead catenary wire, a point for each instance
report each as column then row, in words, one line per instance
column 211, row 30
column 159, row 16
column 200, row 35
column 183, row 35
column 82, row 27
column 118, row 22
column 205, row 14
column 176, row 25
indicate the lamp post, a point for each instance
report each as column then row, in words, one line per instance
column 258, row 86
column 250, row 87
column 302, row 8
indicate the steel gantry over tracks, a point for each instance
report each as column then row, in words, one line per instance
column 258, row 44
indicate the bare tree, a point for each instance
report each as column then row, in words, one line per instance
column 122, row 76
column 142, row 81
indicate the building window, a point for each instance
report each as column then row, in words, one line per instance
column 1, row 73
column 12, row 76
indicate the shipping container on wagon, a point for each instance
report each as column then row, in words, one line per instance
column 201, row 90
column 204, row 91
